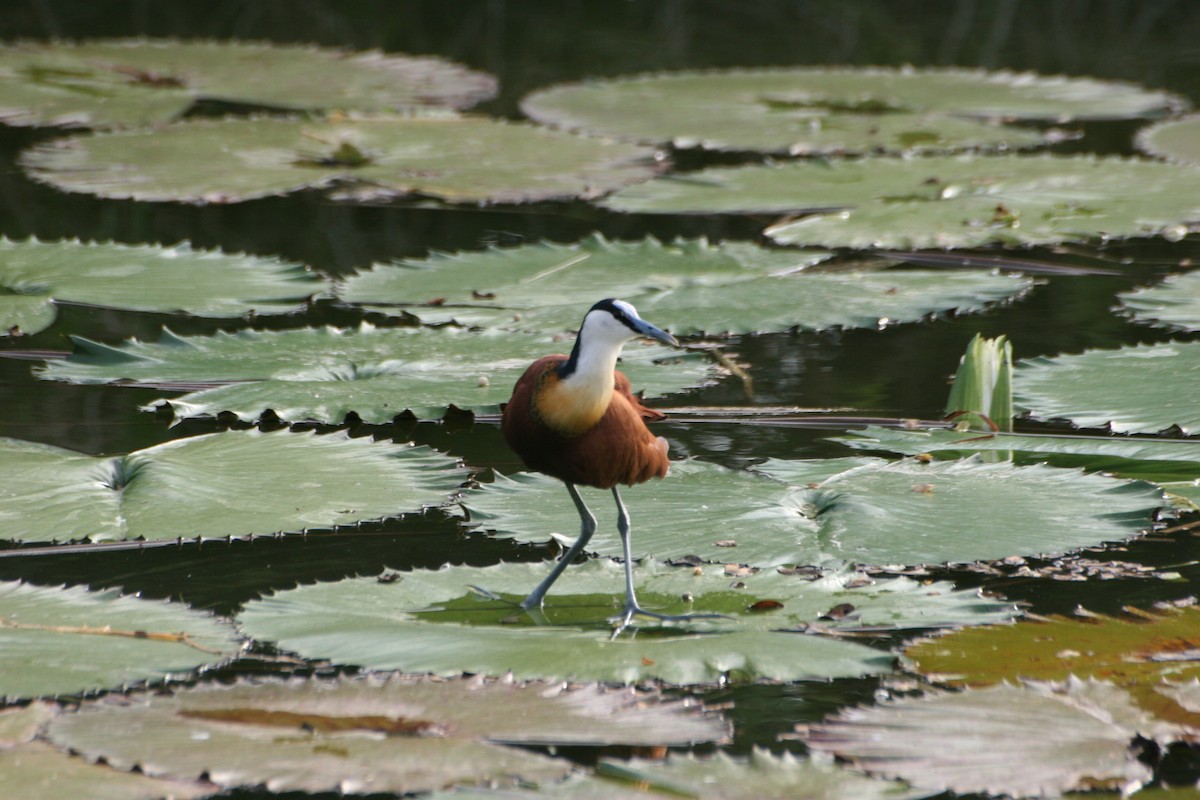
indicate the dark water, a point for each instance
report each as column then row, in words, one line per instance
column 900, row 371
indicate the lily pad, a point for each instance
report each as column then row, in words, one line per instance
column 1174, row 303
column 348, row 736
column 38, row 770
column 1036, row 740
column 874, row 512
column 1134, row 389
column 123, row 83
column 234, row 483
column 453, row 158
column 688, row 287
column 435, row 622
column 35, row 276
column 1176, row 140
column 68, row 640
column 805, row 111
column 940, row 201
column 327, row 373
column 1151, row 459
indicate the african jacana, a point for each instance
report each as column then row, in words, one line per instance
column 575, row 418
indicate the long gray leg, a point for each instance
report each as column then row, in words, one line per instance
column 587, row 526
column 632, row 608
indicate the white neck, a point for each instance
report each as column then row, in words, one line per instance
column 593, row 375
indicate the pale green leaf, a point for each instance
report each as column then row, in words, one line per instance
column 1134, row 389
column 946, row 201
column 68, row 640
column 121, row 83
column 458, row 159
column 1174, row 303
column 1175, row 140
column 434, row 621
column 982, row 388
column 35, row 275
column 686, row 287
column 349, row 736
column 376, row 373
column 1036, row 740
column 37, row 770
column 234, row 483
column 875, row 513
column 1152, row 459
column 823, row 110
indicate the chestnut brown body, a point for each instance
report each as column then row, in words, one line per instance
column 603, row 445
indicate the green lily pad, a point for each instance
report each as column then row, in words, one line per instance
column 327, row 373
column 1134, row 389
column 123, row 83
column 940, row 201
column 1151, row 459
column 687, row 287
column 34, row 276
column 1176, row 140
column 870, row 512
column 1036, row 740
column 68, row 640
column 453, row 158
column 1174, row 303
column 38, row 770
column 1145, row 653
column 804, row 111
column 234, row 483
column 348, row 736
column 433, row 621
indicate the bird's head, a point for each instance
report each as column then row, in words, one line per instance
column 615, row 322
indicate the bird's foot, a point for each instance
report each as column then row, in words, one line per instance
column 623, row 620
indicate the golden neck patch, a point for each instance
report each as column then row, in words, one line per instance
column 571, row 407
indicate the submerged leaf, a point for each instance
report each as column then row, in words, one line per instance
column 36, row 275
column 823, row 110
column 68, row 640
column 437, row 622
column 235, row 483
column 1134, row 389
column 687, row 287
column 871, row 513
column 1174, row 303
column 377, row 373
column 1030, row 741
column 938, row 202
column 120, row 83
column 457, row 159
column 1147, row 654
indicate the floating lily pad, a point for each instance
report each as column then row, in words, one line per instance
column 804, row 111
column 1174, row 303
column 433, row 621
column 940, row 201
column 1036, row 740
column 1151, row 459
column 457, row 159
column 34, row 276
column 39, row 770
column 327, row 373
column 873, row 512
column 687, row 287
column 122, row 83
column 1134, row 389
column 1176, row 139
column 68, row 640
column 234, row 483
column 349, row 736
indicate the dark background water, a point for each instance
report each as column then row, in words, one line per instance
column 900, row 371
